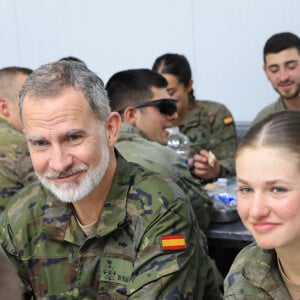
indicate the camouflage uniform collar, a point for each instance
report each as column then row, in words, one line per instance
column 60, row 223
column 129, row 131
column 4, row 123
column 261, row 267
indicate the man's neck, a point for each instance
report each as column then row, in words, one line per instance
column 292, row 104
column 88, row 210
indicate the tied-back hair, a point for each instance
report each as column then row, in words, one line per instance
column 52, row 79
column 177, row 65
column 278, row 130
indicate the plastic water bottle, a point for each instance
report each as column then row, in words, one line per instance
column 179, row 142
column 224, row 193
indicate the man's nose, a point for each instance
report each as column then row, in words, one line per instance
column 283, row 74
column 60, row 160
column 173, row 116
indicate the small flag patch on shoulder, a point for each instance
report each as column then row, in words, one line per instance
column 173, row 242
column 228, row 120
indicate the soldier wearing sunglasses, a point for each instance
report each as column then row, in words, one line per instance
column 140, row 96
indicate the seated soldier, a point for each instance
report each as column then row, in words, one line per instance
column 95, row 226
column 15, row 165
column 141, row 97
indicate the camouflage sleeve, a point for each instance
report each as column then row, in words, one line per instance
column 16, row 170
column 183, row 271
column 10, row 250
column 199, row 198
column 224, row 140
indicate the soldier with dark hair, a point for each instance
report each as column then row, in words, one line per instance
column 281, row 55
column 15, row 165
column 141, row 96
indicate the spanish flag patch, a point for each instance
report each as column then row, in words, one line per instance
column 228, row 120
column 173, row 242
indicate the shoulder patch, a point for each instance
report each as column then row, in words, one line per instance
column 173, row 242
column 228, row 120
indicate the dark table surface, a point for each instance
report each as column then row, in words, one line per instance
column 231, row 234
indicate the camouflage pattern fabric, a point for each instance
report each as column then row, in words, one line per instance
column 123, row 257
column 15, row 164
column 254, row 275
column 210, row 125
column 276, row 106
column 136, row 148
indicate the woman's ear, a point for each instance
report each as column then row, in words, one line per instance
column 113, row 125
column 189, row 86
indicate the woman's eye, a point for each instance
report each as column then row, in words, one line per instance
column 244, row 190
column 277, row 189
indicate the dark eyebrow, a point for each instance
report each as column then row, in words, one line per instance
column 67, row 133
column 285, row 63
column 74, row 131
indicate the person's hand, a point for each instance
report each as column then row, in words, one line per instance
column 202, row 166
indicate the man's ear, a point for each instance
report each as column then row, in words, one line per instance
column 113, row 125
column 130, row 115
column 4, row 108
column 266, row 71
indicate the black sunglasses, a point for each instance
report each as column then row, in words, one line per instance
column 165, row 106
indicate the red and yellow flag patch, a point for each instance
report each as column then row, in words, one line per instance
column 173, row 242
column 228, row 120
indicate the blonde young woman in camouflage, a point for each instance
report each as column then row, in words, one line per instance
column 268, row 178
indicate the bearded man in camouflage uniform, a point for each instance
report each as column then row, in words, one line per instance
column 15, row 165
column 96, row 226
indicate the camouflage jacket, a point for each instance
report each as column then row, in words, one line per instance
column 128, row 255
column 15, row 164
column 134, row 146
column 276, row 106
column 254, row 275
column 210, row 125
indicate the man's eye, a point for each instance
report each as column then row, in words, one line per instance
column 74, row 138
column 292, row 65
column 39, row 144
column 273, row 69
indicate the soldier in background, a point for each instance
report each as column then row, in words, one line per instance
column 96, row 226
column 143, row 136
column 15, row 165
column 281, row 56
column 209, row 125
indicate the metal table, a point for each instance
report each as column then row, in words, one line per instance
column 225, row 240
column 231, row 234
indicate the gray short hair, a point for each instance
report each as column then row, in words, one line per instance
column 52, row 79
